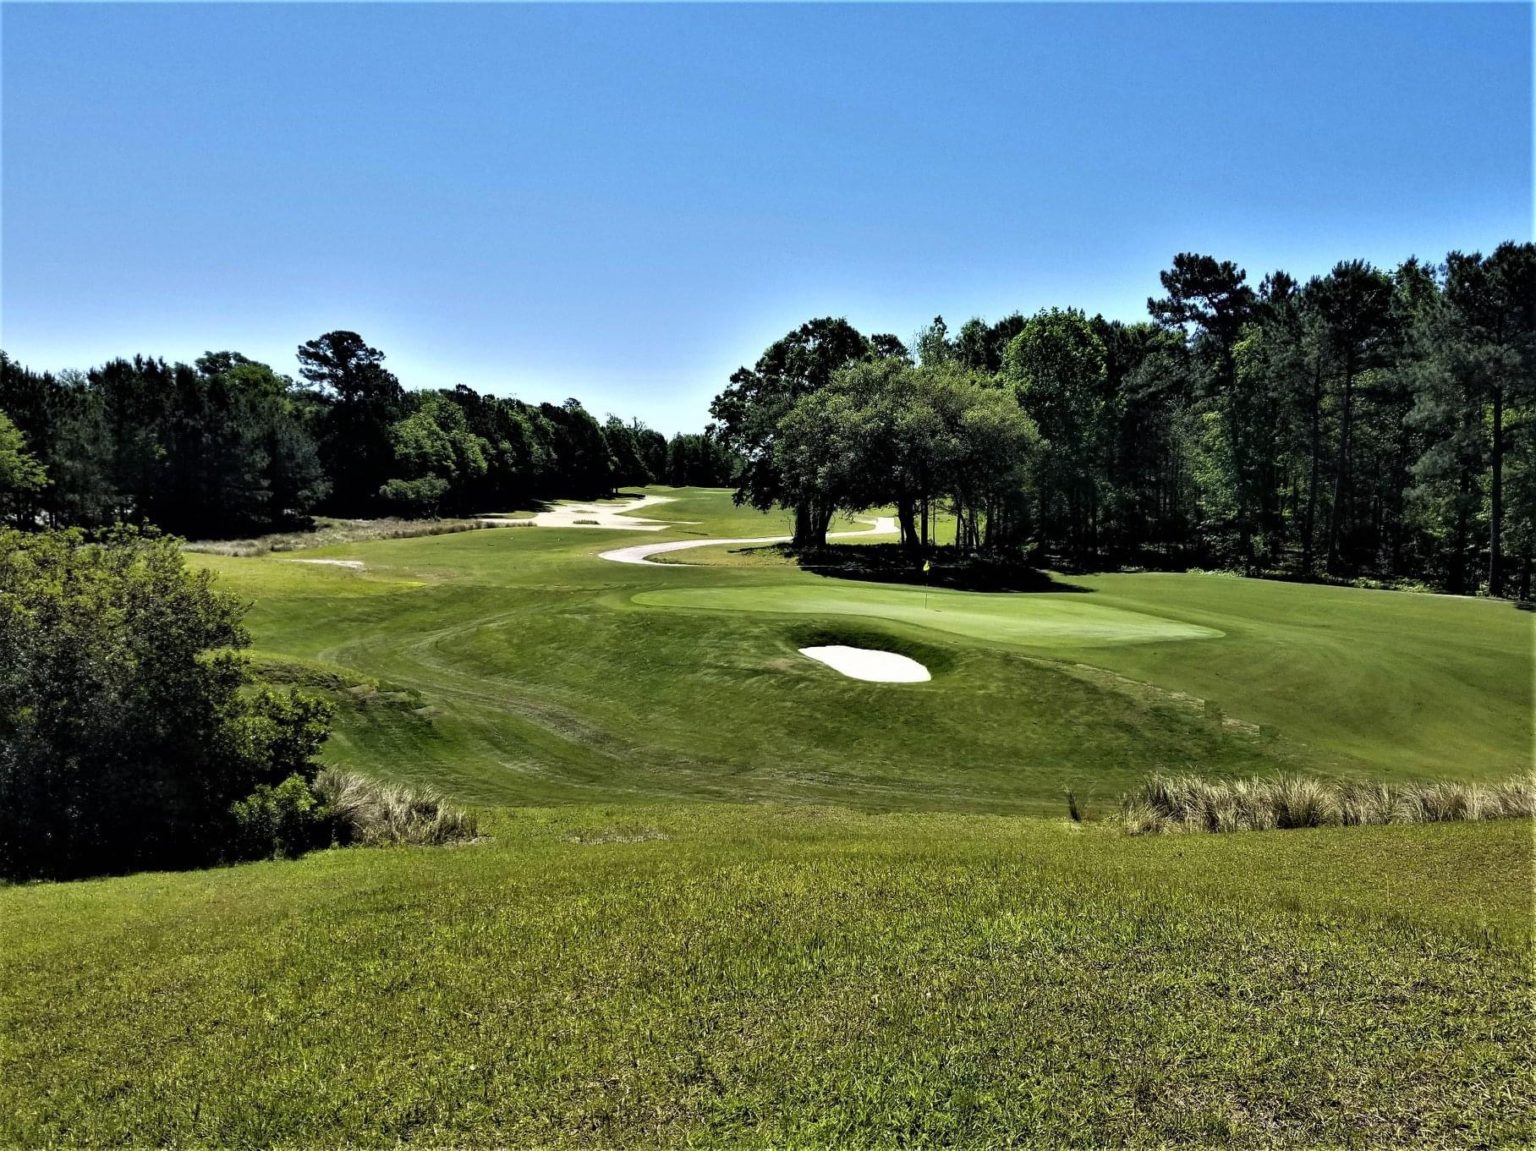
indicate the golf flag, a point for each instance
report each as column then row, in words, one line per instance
column 927, row 565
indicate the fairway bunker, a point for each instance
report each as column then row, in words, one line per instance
column 867, row 664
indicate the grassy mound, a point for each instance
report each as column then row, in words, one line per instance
column 766, row 976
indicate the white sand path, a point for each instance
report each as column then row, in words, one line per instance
column 640, row 553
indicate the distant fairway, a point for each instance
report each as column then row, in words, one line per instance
column 514, row 666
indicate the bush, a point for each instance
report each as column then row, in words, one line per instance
column 128, row 732
column 281, row 822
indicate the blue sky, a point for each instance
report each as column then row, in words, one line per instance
column 623, row 203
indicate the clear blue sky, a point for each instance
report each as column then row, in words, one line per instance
column 625, row 203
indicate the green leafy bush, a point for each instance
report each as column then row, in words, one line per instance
column 282, row 821
column 127, row 728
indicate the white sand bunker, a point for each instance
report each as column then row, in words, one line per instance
column 355, row 565
column 609, row 514
column 864, row 663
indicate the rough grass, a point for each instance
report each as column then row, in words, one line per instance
column 330, row 532
column 1194, row 803
column 374, row 814
column 720, row 976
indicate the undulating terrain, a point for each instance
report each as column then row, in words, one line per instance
column 731, row 897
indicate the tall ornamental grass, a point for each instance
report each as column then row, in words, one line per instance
column 379, row 814
column 1189, row 803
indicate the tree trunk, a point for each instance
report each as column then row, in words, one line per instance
column 1496, row 500
column 1316, row 417
column 1458, row 568
column 1341, row 478
column 803, row 522
column 822, row 520
column 906, row 516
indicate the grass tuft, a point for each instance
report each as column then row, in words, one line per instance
column 379, row 814
column 1190, row 803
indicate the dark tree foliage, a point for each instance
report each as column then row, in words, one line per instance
column 1368, row 424
column 217, row 448
column 227, row 446
column 126, row 728
column 365, row 399
column 699, row 461
column 748, row 412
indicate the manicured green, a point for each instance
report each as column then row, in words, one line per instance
column 1036, row 621
column 719, row 975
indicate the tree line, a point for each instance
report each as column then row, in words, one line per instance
column 1366, row 424
column 226, row 445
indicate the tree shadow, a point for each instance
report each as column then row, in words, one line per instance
column 890, row 563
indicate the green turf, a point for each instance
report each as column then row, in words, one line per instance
column 733, row 898
column 546, row 674
column 1034, row 621
column 765, row 976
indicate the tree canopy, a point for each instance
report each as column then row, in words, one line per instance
column 1370, row 423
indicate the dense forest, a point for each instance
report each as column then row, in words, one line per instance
column 227, row 445
column 1366, row 425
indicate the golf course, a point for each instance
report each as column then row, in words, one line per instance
column 767, row 577
column 517, row 666
column 725, row 894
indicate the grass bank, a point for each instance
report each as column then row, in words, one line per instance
column 771, row 976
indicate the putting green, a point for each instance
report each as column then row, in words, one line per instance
column 1035, row 620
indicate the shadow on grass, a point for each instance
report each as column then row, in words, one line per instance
column 889, row 563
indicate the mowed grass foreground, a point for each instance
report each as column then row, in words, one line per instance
column 801, row 976
column 730, row 898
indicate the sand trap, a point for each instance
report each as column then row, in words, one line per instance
column 640, row 553
column 867, row 664
column 355, row 565
column 616, row 514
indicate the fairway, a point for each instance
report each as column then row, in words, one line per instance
column 516, row 666
column 1024, row 620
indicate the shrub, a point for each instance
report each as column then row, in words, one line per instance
column 373, row 814
column 127, row 730
column 281, row 822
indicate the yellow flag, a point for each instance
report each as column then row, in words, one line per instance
column 927, row 565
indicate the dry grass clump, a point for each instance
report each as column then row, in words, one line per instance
column 330, row 532
column 1190, row 803
column 380, row 814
